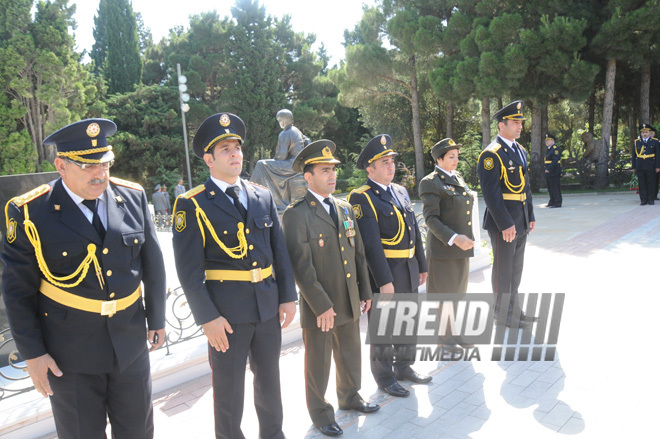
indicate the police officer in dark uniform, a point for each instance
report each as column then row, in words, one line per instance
column 646, row 164
column 553, row 171
column 76, row 252
column 509, row 215
column 395, row 253
column 235, row 271
column 332, row 276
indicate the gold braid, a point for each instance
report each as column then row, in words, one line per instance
column 237, row 252
column 33, row 236
column 402, row 228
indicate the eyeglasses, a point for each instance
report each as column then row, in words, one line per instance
column 93, row 166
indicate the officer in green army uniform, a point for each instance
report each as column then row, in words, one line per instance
column 509, row 215
column 331, row 272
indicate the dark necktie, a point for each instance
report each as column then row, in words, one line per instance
column 393, row 197
column 232, row 191
column 333, row 212
column 96, row 219
column 518, row 151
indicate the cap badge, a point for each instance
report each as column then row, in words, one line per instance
column 518, row 106
column 451, row 142
column 224, row 120
column 93, row 130
column 383, row 140
column 326, row 152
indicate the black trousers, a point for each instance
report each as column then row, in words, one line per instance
column 260, row 343
column 647, row 185
column 554, row 189
column 508, row 261
column 82, row 403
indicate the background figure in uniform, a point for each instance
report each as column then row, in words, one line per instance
column 83, row 334
column 657, row 175
column 236, row 274
column 553, row 171
column 180, row 189
column 161, row 201
column 332, row 276
column 448, row 205
column 394, row 251
column 276, row 174
column 509, row 215
column 646, row 164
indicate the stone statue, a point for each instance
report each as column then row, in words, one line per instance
column 276, row 174
column 592, row 147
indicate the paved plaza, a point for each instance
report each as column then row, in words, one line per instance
column 603, row 253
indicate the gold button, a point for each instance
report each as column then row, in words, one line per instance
column 345, row 262
column 265, row 224
column 464, row 194
column 254, row 264
column 247, row 231
column 105, row 251
column 342, row 249
column 135, row 241
column 348, row 275
column 225, row 232
column 523, row 203
column 409, row 228
column 411, row 242
column 469, row 223
column 108, row 273
column 64, row 253
column 468, row 212
column 320, row 235
column 468, row 202
column 404, row 215
column 391, row 213
column 251, row 247
column 112, row 295
column 46, row 314
column 340, row 235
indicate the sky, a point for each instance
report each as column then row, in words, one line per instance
column 326, row 18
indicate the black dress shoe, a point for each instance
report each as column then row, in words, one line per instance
column 651, row 202
column 395, row 389
column 363, row 407
column 548, row 205
column 411, row 375
column 555, row 207
column 643, row 203
column 331, row 429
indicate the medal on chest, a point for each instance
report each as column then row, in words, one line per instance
column 349, row 228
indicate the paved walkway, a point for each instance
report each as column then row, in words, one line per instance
column 602, row 251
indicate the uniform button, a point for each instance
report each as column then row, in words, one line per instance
column 411, row 242
column 105, row 251
column 112, row 295
column 64, row 253
column 391, row 213
column 345, row 262
column 404, row 215
column 342, row 249
column 348, row 275
column 135, row 241
column 46, row 314
column 468, row 202
column 409, row 228
column 523, row 203
column 464, row 194
column 468, row 212
column 251, row 247
column 247, row 231
column 225, row 232
column 469, row 223
column 320, row 235
column 254, row 264
column 340, row 235
column 108, row 273
column 265, row 224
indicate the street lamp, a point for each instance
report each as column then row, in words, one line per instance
column 183, row 101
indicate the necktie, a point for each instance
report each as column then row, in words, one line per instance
column 333, row 212
column 232, row 191
column 391, row 194
column 96, row 219
column 518, row 151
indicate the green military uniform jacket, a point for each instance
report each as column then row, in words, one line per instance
column 329, row 270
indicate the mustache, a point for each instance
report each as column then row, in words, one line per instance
column 98, row 181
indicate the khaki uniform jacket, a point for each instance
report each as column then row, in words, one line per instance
column 448, row 205
column 329, row 270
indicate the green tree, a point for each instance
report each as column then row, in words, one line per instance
column 116, row 50
column 43, row 84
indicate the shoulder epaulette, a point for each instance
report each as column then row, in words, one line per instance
column 29, row 196
column 126, row 183
column 362, row 189
column 654, row 138
column 194, row 191
column 295, row 203
column 494, row 148
column 258, row 185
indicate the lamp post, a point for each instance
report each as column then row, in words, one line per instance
column 183, row 99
